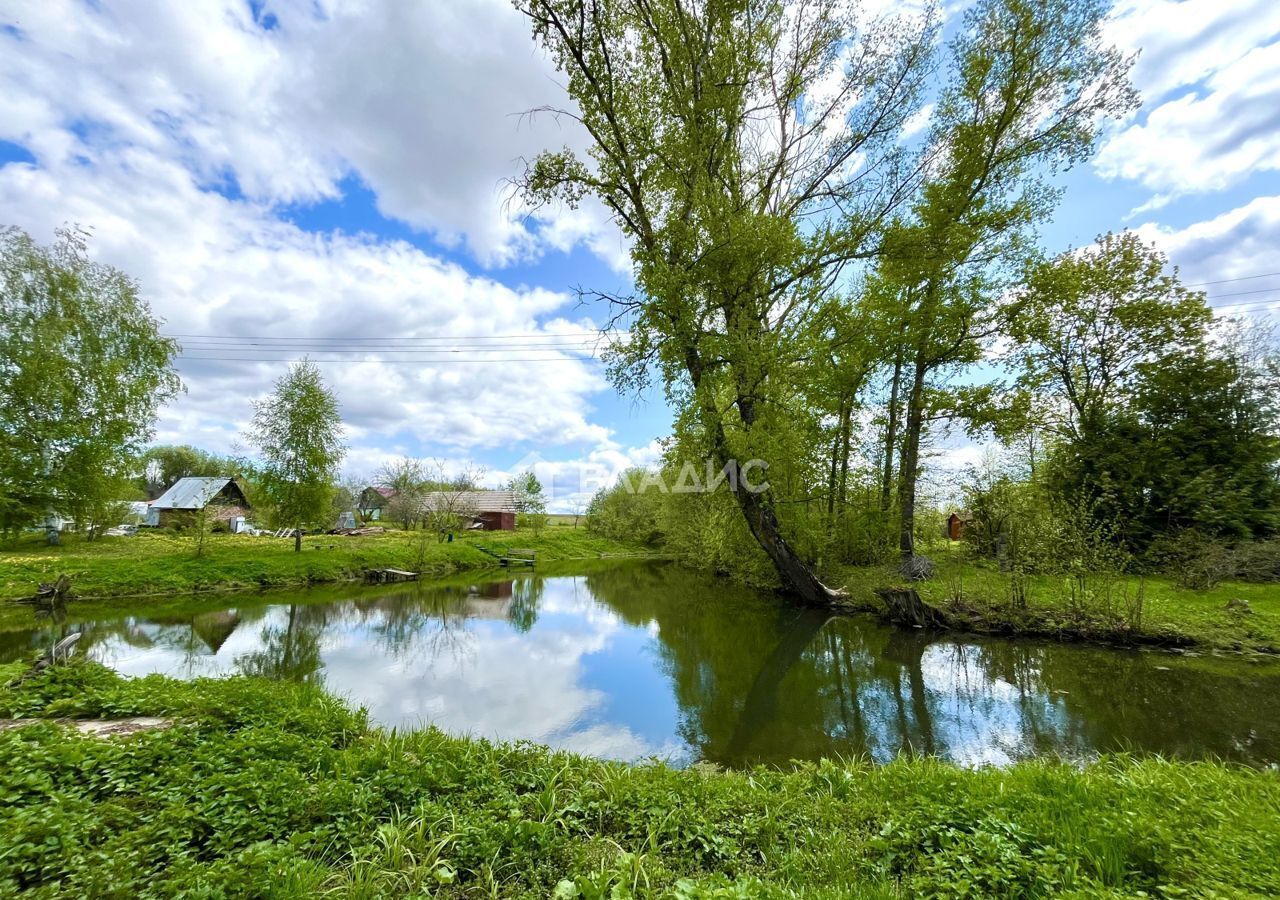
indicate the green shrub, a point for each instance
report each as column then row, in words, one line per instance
column 1193, row 559
column 1257, row 561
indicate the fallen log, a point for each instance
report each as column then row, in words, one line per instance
column 51, row 593
column 906, row 607
column 58, row 653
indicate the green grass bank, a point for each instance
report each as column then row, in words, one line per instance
column 266, row 789
column 158, row 563
column 1123, row 610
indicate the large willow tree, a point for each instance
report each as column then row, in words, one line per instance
column 751, row 151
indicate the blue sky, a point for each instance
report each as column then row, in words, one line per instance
column 331, row 171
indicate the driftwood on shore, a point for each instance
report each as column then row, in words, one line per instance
column 58, row 653
column 51, row 593
column 906, row 607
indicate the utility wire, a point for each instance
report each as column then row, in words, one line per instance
column 1230, row 280
column 379, row 360
column 1251, row 304
column 442, row 337
column 1244, row 293
column 355, row 348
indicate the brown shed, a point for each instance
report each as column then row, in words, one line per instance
column 956, row 524
column 484, row 510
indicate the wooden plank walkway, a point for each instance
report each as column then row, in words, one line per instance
column 510, row 557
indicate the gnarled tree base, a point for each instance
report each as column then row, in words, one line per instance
column 907, row 608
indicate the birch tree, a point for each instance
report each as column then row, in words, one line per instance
column 299, row 433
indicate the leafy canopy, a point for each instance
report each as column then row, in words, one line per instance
column 83, row 370
column 298, row 432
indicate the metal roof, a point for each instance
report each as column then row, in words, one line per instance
column 192, row 493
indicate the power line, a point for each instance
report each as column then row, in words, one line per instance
column 1249, row 304
column 357, row 348
column 1244, row 293
column 414, row 362
column 449, row 337
column 1230, row 280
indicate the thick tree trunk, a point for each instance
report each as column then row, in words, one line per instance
column 906, row 608
column 846, row 440
column 839, row 460
column 297, row 539
column 891, row 435
column 909, row 469
column 796, row 576
column 831, row 481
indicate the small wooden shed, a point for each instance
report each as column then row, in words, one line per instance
column 956, row 524
column 482, row 510
column 372, row 501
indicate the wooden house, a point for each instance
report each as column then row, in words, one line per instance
column 372, row 502
column 225, row 499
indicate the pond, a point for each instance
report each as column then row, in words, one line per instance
column 648, row 660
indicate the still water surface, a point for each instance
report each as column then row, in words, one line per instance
column 650, row 660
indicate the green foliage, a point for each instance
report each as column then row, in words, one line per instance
column 1193, row 559
column 1192, row 449
column 275, row 789
column 531, row 503
column 625, row 511
column 162, row 466
column 736, row 242
column 83, row 369
column 1087, row 320
column 299, row 433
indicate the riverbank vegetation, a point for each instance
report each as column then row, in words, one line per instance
column 1197, row 591
column 160, row 563
column 1137, row 433
column 274, row 789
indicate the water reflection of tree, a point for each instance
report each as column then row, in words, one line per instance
column 193, row 638
column 758, row 680
column 290, row 651
column 428, row 622
column 417, row 622
column 526, row 597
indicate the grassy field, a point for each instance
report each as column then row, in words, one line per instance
column 1122, row 609
column 976, row 597
column 267, row 789
column 158, row 563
